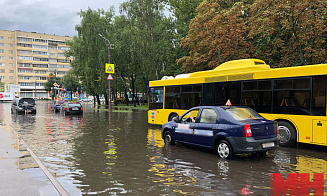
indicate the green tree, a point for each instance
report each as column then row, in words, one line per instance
column 216, row 35
column 289, row 33
column 90, row 51
column 146, row 39
column 49, row 84
column 71, row 82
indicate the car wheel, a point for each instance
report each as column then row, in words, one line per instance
column 172, row 116
column 224, row 150
column 287, row 134
column 168, row 138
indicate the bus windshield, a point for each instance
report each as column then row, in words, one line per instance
column 156, row 98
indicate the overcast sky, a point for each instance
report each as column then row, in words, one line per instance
column 48, row 16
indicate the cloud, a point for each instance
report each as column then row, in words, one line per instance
column 37, row 16
column 47, row 16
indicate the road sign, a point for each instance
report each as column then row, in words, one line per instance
column 55, row 84
column 110, row 68
column 110, row 77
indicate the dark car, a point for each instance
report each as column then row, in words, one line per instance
column 56, row 105
column 19, row 105
column 72, row 108
column 228, row 130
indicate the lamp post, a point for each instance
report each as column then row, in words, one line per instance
column 110, row 46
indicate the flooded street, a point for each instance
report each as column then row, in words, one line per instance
column 113, row 153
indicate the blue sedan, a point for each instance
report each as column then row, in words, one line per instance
column 228, row 130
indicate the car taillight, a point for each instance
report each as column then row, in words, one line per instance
column 67, row 109
column 81, row 108
column 247, row 131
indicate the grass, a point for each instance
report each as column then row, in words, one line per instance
column 121, row 106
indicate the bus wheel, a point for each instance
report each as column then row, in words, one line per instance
column 168, row 138
column 171, row 116
column 287, row 134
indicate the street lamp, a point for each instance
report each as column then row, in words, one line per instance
column 110, row 46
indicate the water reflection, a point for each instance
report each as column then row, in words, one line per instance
column 119, row 153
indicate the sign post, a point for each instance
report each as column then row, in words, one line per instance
column 110, row 69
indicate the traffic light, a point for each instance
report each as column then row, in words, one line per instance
column 49, row 76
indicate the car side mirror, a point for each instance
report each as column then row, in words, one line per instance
column 176, row 119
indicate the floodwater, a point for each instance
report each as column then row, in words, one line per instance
column 118, row 153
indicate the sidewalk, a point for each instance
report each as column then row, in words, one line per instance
column 19, row 172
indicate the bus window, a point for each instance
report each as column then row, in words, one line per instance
column 191, row 96
column 292, row 98
column 260, row 101
column 319, row 96
column 156, row 98
column 173, row 97
column 225, row 91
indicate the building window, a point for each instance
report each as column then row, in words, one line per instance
column 40, row 53
column 2, row 57
column 25, row 57
column 24, row 45
column 40, row 59
column 11, row 77
column 63, row 48
column 11, row 64
column 52, row 54
column 40, row 40
column 2, row 71
column 2, row 51
column 61, row 54
column 10, row 38
column 40, row 46
column 11, row 45
column 11, row 71
column 24, row 52
column 11, row 58
column 2, row 64
column 1, row 44
column 1, row 37
column 53, row 60
column 2, row 77
column 11, row 52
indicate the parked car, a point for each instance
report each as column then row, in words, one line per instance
column 72, row 108
column 228, row 130
column 56, row 105
column 19, row 105
column 86, row 99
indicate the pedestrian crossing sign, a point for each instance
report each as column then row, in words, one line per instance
column 110, row 68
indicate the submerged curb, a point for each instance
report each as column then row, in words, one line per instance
column 53, row 180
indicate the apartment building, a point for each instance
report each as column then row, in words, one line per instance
column 27, row 58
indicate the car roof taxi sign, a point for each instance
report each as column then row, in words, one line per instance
column 228, row 103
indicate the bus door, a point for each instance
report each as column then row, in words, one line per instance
column 319, row 133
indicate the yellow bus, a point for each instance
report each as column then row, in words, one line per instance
column 293, row 96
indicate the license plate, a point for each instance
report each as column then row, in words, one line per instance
column 267, row 145
column 29, row 110
column 75, row 109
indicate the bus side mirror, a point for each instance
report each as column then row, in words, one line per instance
column 176, row 119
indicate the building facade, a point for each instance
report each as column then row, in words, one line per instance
column 27, row 58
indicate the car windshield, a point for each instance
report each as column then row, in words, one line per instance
column 243, row 113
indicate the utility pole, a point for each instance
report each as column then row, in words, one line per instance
column 109, row 56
